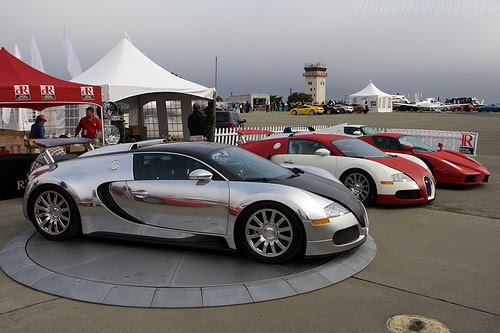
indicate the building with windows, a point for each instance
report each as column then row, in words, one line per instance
column 258, row 102
column 315, row 81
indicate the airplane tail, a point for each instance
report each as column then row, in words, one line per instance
column 417, row 100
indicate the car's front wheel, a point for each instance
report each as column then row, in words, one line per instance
column 361, row 184
column 270, row 233
column 311, row 112
column 54, row 213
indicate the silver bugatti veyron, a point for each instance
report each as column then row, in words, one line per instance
column 192, row 192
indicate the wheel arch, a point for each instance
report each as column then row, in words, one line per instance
column 238, row 222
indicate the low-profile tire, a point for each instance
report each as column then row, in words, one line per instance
column 54, row 213
column 294, row 112
column 269, row 232
column 311, row 112
column 361, row 184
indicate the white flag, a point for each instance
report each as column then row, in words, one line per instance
column 36, row 59
column 74, row 67
column 17, row 53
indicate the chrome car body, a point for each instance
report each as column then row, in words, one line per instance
column 201, row 192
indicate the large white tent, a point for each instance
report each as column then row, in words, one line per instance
column 125, row 72
column 155, row 102
column 378, row 101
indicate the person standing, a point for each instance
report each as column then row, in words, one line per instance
column 38, row 128
column 90, row 125
column 196, row 124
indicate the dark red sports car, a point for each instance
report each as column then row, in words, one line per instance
column 447, row 166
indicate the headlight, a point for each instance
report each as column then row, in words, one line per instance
column 400, row 177
column 335, row 209
column 332, row 210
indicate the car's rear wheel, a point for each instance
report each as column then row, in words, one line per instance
column 54, row 213
column 270, row 233
column 361, row 184
column 294, row 112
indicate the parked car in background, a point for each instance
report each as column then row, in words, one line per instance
column 307, row 109
column 372, row 175
column 349, row 129
column 489, row 108
column 345, row 108
column 447, row 166
column 192, row 192
column 228, row 119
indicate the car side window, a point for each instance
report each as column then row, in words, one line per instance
column 382, row 142
column 304, row 147
column 350, row 130
column 165, row 167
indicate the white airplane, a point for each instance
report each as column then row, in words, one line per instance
column 430, row 104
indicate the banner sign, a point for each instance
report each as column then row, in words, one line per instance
column 468, row 143
column 87, row 93
column 22, row 92
column 47, row 92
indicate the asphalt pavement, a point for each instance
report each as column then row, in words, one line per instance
column 439, row 260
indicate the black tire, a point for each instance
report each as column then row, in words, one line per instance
column 361, row 184
column 294, row 112
column 269, row 232
column 311, row 112
column 54, row 213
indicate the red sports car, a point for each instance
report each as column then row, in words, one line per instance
column 447, row 166
column 372, row 175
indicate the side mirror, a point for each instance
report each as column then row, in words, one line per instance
column 408, row 149
column 201, row 174
column 243, row 121
column 440, row 146
column 322, row 152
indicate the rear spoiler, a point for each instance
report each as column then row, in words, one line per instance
column 47, row 156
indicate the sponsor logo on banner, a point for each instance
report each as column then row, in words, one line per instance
column 22, row 92
column 87, row 93
column 48, row 92
column 468, row 143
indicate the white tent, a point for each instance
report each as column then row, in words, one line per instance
column 378, row 101
column 125, row 72
column 145, row 91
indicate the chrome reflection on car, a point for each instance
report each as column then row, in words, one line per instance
column 52, row 212
column 269, row 233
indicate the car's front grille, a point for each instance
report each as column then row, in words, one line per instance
column 470, row 178
column 346, row 236
column 408, row 194
column 429, row 187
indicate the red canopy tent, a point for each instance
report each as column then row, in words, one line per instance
column 22, row 86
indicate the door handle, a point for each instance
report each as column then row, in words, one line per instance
column 289, row 162
column 141, row 194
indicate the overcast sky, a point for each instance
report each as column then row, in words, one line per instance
column 439, row 48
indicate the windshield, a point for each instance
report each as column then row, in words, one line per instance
column 245, row 165
column 367, row 130
column 357, row 148
column 415, row 143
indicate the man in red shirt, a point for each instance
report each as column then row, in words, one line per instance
column 90, row 125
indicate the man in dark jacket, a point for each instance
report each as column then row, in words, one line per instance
column 196, row 124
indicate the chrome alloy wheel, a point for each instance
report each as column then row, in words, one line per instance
column 269, row 232
column 358, row 184
column 52, row 212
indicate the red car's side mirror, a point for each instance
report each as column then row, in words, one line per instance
column 440, row 146
column 408, row 149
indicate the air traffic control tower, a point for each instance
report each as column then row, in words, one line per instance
column 315, row 81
